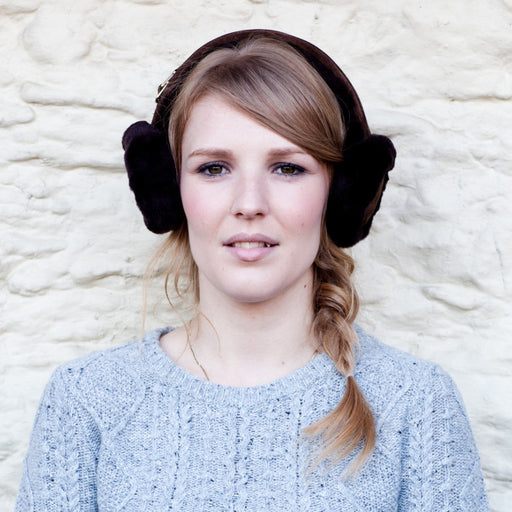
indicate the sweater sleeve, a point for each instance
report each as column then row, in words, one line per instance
column 60, row 466
column 443, row 467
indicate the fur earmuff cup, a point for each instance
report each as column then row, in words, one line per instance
column 152, row 177
column 356, row 191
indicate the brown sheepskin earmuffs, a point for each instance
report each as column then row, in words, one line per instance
column 358, row 180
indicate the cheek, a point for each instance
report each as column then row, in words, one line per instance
column 192, row 212
column 198, row 206
column 309, row 208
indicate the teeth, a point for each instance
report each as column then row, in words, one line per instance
column 250, row 245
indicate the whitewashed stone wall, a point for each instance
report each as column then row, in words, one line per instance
column 436, row 274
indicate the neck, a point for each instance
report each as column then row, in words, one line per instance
column 252, row 343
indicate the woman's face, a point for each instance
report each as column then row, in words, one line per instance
column 254, row 204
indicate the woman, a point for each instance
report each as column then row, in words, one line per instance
column 260, row 162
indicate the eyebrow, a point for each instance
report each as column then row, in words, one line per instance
column 224, row 153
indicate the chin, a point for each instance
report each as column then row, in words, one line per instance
column 261, row 292
column 259, row 286
column 252, row 297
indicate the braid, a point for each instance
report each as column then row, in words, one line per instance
column 336, row 305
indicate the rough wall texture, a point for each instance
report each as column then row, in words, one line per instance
column 436, row 274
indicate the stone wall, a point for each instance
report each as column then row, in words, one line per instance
column 435, row 276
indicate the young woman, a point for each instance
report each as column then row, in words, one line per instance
column 260, row 163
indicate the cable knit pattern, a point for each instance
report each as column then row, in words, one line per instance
column 128, row 430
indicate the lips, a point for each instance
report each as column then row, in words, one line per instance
column 250, row 240
column 250, row 246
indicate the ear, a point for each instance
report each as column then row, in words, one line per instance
column 152, row 177
column 357, row 187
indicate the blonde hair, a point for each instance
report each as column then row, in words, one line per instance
column 275, row 85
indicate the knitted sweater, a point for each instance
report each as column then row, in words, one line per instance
column 128, row 430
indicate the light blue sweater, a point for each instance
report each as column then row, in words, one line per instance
column 126, row 429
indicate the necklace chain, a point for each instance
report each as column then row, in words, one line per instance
column 206, row 374
column 198, row 363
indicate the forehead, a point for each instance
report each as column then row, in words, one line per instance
column 213, row 122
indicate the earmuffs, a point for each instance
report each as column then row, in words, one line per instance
column 358, row 182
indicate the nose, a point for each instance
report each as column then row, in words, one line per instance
column 250, row 196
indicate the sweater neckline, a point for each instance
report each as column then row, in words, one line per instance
column 160, row 364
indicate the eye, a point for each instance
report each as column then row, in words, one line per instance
column 213, row 169
column 287, row 169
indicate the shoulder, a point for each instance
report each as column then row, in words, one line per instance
column 109, row 384
column 396, row 364
column 389, row 376
column 421, row 419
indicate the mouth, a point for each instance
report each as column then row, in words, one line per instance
column 250, row 245
column 250, row 241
